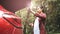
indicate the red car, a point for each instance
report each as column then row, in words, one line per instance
column 9, row 22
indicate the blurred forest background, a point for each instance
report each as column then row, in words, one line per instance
column 52, row 10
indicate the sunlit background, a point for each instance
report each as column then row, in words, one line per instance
column 51, row 8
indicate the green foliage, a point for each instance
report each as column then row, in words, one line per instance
column 52, row 10
column 26, row 20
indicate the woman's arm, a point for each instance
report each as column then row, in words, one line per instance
column 41, row 15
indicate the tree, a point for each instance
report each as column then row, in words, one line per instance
column 51, row 8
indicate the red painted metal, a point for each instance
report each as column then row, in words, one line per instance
column 5, row 26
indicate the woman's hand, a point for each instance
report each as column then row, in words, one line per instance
column 31, row 24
